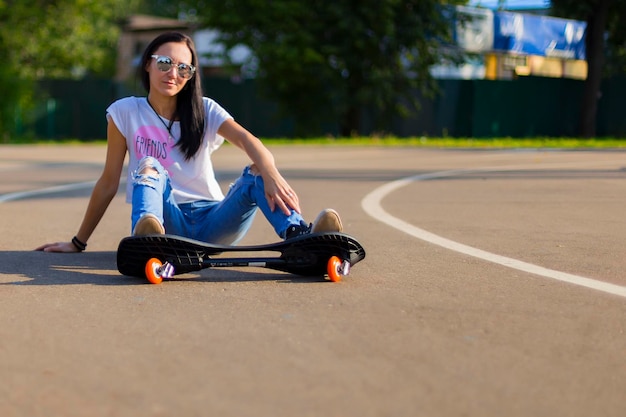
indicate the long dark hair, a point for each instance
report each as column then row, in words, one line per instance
column 189, row 104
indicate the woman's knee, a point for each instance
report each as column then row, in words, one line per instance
column 148, row 166
column 149, row 171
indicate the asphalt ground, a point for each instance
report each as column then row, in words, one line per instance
column 493, row 286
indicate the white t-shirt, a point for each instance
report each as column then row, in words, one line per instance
column 146, row 135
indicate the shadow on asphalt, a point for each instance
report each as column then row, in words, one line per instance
column 99, row 268
column 41, row 268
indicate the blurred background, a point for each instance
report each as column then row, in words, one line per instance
column 307, row 68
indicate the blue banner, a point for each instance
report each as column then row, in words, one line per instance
column 539, row 35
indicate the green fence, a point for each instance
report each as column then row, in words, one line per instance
column 526, row 107
column 70, row 109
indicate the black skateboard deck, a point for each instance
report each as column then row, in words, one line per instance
column 163, row 256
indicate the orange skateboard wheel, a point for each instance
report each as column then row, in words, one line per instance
column 334, row 269
column 153, row 271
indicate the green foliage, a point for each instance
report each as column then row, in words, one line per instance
column 327, row 60
column 173, row 9
column 54, row 39
column 61, row 39
column 16, row 94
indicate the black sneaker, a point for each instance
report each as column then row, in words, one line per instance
column 297, row 230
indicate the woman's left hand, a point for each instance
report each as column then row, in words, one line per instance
column 280, row 195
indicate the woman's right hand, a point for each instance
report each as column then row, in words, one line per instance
column 66, row 247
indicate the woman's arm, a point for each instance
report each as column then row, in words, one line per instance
column 103, row 192
column 277, row 191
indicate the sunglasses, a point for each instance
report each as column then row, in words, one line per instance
column 165, row 63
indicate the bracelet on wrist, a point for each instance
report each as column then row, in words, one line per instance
column 81, row 246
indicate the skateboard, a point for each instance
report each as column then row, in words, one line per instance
column 158, row 257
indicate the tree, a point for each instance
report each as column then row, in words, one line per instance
column 54, row 39
column 603, row 17
column 328, row 59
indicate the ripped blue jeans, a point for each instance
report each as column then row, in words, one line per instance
column 225, row 222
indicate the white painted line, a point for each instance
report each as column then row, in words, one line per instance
column 372, row 206
column 50, row 190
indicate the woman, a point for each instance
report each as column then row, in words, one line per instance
column 169, row 136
